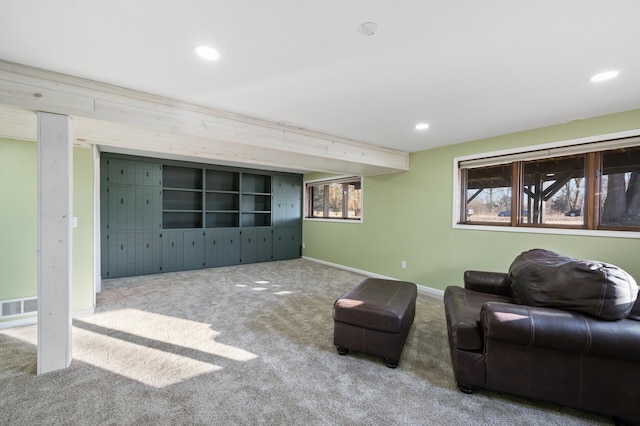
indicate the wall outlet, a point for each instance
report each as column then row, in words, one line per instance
column 303, row 245
column 404, row 264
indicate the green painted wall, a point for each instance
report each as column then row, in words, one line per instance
column 18, row 219
column 18, row 223
column 408, row 216
column 83, row 236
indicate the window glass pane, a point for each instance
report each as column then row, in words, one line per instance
column 355, row 200
column 339, row 199
column 620, row 188
column 317, row 206
column 488, row 194
column 335, row 200
column 553, row 191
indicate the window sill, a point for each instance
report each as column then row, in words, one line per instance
column 320, row 219
column 557, row 231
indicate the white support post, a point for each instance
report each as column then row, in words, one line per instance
column 55, row 172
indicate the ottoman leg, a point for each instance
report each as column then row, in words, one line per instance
column 342, row 351
column 391, row 363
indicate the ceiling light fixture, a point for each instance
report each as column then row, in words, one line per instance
column 368, row 29
column 422, row 126
column 208, row 53
column 603, row 76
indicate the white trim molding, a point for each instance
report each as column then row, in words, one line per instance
column 429, row 291
column 131, row 122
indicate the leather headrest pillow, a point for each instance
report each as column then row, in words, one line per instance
column 543, row 278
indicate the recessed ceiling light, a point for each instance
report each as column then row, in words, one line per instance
column 208, row 53
column 603, row 76
column 368, row 29
column 422, row 126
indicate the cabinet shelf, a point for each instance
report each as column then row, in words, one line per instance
column 256, row 184
column 181, row 177
column 221, row 219
column 167, row 188
column 181, row 200
column 256, row 219
column 218, row 180
column 181, row 219
column 222, row 201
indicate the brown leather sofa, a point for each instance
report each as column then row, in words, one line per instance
column 550, row 348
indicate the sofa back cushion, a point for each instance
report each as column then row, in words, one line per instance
column 544, row 278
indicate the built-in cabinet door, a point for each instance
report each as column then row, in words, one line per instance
column 122, row 208
column 257, row 244
column 194, row 246
column 287, row 201
column 148, row 208
column 172, row 251
column 249, row 245
column 130, row 172
column 122, row 172
column 122, row 258
column 148, row 174
column 148, row 253
column 286, row 242
column 223, row 247
column 264, row 242
column 232, row 251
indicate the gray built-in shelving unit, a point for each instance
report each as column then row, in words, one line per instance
column 163, row 216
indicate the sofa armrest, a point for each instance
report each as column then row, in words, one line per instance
column 560, row 330
column 488, row 282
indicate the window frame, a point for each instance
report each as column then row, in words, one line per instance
column 308, row 200
column 517, row 156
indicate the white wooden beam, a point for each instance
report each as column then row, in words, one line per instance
column 106, row 112
column 54, row 242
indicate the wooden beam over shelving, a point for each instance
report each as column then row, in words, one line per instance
column 123, row 120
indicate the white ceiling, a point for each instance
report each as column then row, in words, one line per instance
column 471, row 69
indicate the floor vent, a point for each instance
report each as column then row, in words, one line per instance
column 14, row 307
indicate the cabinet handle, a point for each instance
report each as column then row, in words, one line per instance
column 121, row 200
column 121, row 247
column 193, row 243
column 148, row 203
column 147, row 245
column 147, row 173
column 249, row 239
column 172, row 244
column 121, row 171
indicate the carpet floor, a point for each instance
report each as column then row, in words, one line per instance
column 245, row 345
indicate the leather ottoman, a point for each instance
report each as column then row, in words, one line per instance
column 375, row 318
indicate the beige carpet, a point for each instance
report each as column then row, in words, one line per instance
column 246, row 345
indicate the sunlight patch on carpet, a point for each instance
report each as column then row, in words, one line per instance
column 157, row 350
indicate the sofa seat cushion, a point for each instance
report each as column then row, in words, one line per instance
column 462, row 309
column 544, row 278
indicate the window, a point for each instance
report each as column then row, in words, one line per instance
column 335, row 199
column 594, row 186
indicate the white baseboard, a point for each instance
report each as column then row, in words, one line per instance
column 429, row 291
column 20, row 322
